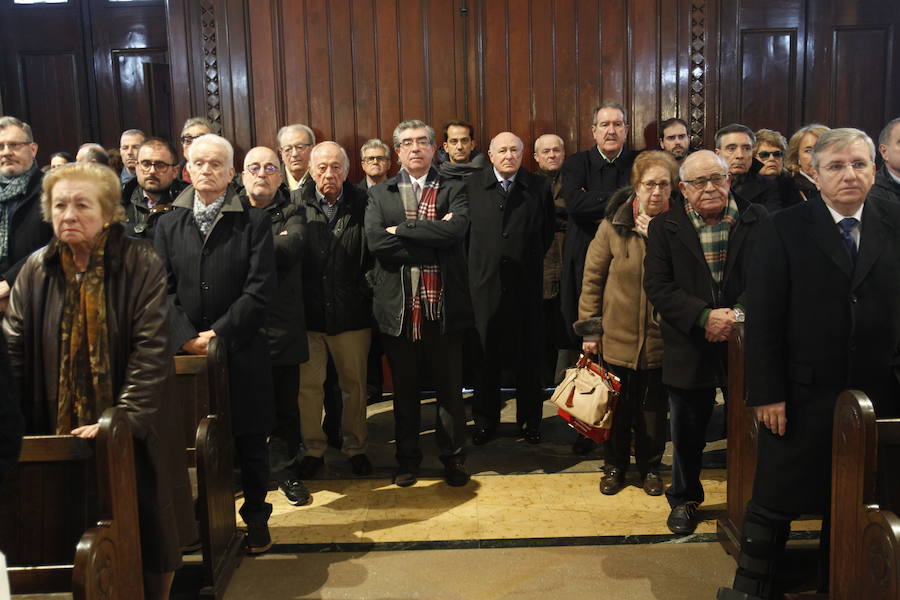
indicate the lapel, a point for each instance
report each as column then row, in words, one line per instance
column 826, row 236
column 678, row 222
column 874, row 232
column 737, row 236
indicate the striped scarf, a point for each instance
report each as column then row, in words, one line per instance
column 11, row 187
column 714, row 238
column 425, row 297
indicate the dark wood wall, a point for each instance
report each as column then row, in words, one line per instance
column 352, row 69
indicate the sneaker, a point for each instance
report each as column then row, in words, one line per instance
column 683, row 518
column 295, row 492
column 455, row 474
column 309, row 466
column 258, row 538
column 653, row 485
column 360, row 465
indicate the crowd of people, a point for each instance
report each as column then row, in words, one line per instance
column 461, row 268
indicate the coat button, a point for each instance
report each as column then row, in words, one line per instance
column 853, row 298
column 205, row 252
column 504, row 235
column 204, row 286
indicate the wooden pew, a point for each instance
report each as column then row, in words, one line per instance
column 201, row 385
column 865, row 491
column 63, row 486
column 741, row 453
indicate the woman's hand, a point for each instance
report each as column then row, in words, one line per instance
column 591, row 348
column 86, row 432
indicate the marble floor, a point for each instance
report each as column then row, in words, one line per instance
column 530, row 524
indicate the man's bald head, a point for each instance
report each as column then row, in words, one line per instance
column 506, row 153
column 261, row 176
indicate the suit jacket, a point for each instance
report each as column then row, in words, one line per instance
column 27, row 229
column 885, row 188
column 418, row 243
column 816, row 325
column 224, row 282
column 509, row 233
column 679, row 285
column 589, row 180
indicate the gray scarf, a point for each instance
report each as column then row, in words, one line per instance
column 205, row 215
column 11, row 187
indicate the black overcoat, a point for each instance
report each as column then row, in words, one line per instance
column 225, row 283
column 589, row 180
column 27, row 229
column 816, row 326
column 680, row 287
column 509, row 233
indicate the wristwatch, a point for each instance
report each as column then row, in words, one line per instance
column 739, row 315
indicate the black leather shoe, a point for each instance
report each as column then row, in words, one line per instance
column 683, row 519
column 405, row 477
column 612, row 482
column 258, row 538
column 653, row 484
column 295, row 492
column 730, row 594
column 455, row 474
column 483, row 435
column 583, row 445
column 309, row 466
column 532, row 435
column 360, row 465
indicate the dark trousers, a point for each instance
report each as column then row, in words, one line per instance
column 501, row 350
column 642, row 409
column 284, row 443
column 437, row 357
column 252, row 457
column 689, row 412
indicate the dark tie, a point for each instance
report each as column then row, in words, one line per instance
column 329, row 210
column 506, row 183
column 847, row 226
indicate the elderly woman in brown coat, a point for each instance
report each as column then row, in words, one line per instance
column 86, row 331
column 616, row 321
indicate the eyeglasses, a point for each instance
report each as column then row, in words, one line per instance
column 159, row 165
column 14, row 146
column 370, row 160
column 700, row 182
column 187, row 140
column 294, row 148
column 837, row 168
column 764, row 155
column 656, row 184
column 261, row 170
column 421, row 142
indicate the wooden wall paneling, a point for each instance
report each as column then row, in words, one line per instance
column 387, row 68
column 673, row 56
column 644, row 71
column 589, row 30
column 182, row 44
column 413, row 39
column 572, row 120
column 318, row 69
column 704, row 82
column 344, row 124
column 495, row 57
column 365, row 79
column 612, row 60
column 294, row 56
column 267, row 78
column 472, row 15
column 860, row 73
column 519, row 60
column 234, row 82
column 543, row 81
column 445, row 97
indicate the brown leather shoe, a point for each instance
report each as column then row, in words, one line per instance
column 612, row 481
column 653, row 485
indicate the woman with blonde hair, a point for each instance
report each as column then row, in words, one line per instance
column 799, row 158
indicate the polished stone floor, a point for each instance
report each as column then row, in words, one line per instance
column 530, row 524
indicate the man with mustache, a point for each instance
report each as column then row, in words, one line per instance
column 512, row 226
column 150, row 194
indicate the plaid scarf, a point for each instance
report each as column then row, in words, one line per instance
column 205, row 215
column 11, row 187
column 425, row 280
column 85, row 384
column 714, row 238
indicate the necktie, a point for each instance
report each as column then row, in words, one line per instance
column 329, row 210
column 417, row 190
column 506, row 183
column 847, row 226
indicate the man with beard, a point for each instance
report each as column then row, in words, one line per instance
column 458, row 157
column 150, row 194
column 674, row 139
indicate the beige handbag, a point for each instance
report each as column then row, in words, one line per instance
column 588, row 393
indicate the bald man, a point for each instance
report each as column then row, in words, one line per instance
column 512, row 224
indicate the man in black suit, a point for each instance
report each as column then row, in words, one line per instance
column 221, row 277
column 823, row 315
column 22, row 228
column 589, row 179
column 416, row 224
column 694, row 275
column 375, row 159
column 735, row 143
column 512, row 224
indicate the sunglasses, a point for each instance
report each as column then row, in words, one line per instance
column 765, row 155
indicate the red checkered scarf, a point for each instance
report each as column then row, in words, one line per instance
column 425, row 297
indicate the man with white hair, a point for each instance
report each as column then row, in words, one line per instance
column 823, row 297
column 511, row 213
column 338, row 305
column 221, row 277
column 295, row 142
column 694, row 275
column 375, row 159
